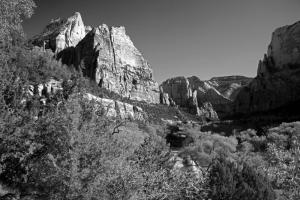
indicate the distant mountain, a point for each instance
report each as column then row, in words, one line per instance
column 218, row 92
column 229, row 86
column 277, row 83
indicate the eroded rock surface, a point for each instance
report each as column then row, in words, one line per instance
column 61, row 33
column 189, row 93
column 229, row 86
column 203, row 98
column 112, row 108
column 278, row 76
column 105, row 54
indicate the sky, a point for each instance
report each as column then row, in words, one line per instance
column 204, row 38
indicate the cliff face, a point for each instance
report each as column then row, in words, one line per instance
column 278, row 76
column 106, row 55
column 203, row 98
column 61, row 33
column 229, row 86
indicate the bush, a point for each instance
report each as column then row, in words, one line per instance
column 228, row 180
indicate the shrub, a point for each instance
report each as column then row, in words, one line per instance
column 230, row 181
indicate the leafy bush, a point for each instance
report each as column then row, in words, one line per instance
column 283, row 159
column 228, row 180
column 207, row 146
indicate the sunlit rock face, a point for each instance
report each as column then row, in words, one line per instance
column 112, row 108
column 186, row 92
column 278, row 76
column 204, row 98
column 108, row 56
column 61, row 33
column 105, row 54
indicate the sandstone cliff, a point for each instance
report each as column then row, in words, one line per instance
column 229, row 86
column 61, row 33
column 203, row 98
column 278, row 76
column 186, row 92
column 105, row 54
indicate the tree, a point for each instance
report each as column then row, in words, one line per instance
column 231, row 181
column 12, row 13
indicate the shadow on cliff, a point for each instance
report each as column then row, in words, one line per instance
column 258, row 121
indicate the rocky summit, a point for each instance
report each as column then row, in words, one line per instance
column 61, row 33
column 105, row 54
column 277, row 83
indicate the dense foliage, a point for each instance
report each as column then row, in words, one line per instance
column 56, row 145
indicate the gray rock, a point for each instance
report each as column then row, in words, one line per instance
column 61, row 34
column 108, row 56
column 112, row 108
column 193, row 94
column 278, row 76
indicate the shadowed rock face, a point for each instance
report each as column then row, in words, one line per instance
column 285, row 46
column 278, row 76
column 108, row 56
column 229, row 86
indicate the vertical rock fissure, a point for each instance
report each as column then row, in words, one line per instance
column 113, row 48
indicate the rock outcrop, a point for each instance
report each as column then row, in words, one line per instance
column 105, row 54
column 203, row 98
column 278, row 76
column 187, row 93
column 109, row 108
column 61, row 34
column 229, row 86
column 112, row 108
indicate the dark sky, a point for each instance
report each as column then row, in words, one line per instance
column 205, row 38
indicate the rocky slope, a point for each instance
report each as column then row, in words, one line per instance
column 105, row 54
column 277, row 83
column 203, row 97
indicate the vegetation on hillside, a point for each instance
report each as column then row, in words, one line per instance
column 65, row 149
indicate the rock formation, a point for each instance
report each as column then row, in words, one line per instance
column 229, row 86
column 278, row 76
column 105, row 54
column 112, row 108
column 109, row 107
column 61, row 33
column 203, row 98
column 185, row 93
